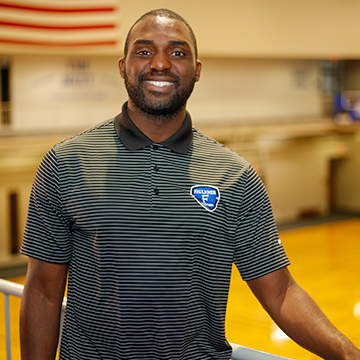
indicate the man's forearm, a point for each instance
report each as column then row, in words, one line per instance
column 302, row 320
column 39, row 327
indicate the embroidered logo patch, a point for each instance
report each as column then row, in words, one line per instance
column 206, row 195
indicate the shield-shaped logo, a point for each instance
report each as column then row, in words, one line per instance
column 206, row 195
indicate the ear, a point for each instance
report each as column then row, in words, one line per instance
column 198, row 70
column 121, row 65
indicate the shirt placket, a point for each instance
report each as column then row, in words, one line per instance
column 155, row 151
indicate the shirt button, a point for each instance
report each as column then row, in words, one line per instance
column 155, row 147
column 156, row 168
column 156, row 191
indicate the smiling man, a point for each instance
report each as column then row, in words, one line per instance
column 160, row 73
column 146, row 215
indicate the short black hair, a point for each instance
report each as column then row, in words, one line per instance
column 161, row 13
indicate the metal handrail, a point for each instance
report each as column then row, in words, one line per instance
column 10, row 288
column 240, row 352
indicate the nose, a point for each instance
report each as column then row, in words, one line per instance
column 160, row 61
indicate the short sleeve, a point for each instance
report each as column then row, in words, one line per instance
column 258, row 249
column 47, row 234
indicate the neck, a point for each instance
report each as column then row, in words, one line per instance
column 156, row 127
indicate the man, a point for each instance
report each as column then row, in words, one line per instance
column 147, row 216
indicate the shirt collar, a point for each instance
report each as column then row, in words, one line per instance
column 133, row 139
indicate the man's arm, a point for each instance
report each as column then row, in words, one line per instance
column 296, row 313
column 41, row 309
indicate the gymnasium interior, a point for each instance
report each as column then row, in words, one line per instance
column 280, row 85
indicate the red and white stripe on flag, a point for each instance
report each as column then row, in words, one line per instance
column 59, row 23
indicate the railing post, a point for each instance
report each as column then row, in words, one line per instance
column 7, row 327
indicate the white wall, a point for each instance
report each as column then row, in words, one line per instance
column 52, row 92
column 248, row 90
column 60, row 92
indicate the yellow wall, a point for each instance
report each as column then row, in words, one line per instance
column 257, row 28
column 263, row 28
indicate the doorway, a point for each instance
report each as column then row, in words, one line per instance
column 335, row 168
column 5, row 108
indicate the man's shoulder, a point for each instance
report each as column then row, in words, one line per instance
column 213, row 148
column 203, row 140
column 91, row 138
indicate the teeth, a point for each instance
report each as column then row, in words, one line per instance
column 160, row 83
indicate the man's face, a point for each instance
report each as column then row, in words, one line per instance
column 160, row 69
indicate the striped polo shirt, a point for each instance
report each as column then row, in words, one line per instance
column 150, row 231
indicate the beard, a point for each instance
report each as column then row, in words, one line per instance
column 157, row 107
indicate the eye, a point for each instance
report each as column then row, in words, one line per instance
column 178, row 53
column 143, row 52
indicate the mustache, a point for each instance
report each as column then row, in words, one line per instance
column 158, row 73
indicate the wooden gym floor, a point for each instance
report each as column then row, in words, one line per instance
column 325, row 262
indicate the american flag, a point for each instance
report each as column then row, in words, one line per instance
column 75, row 24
